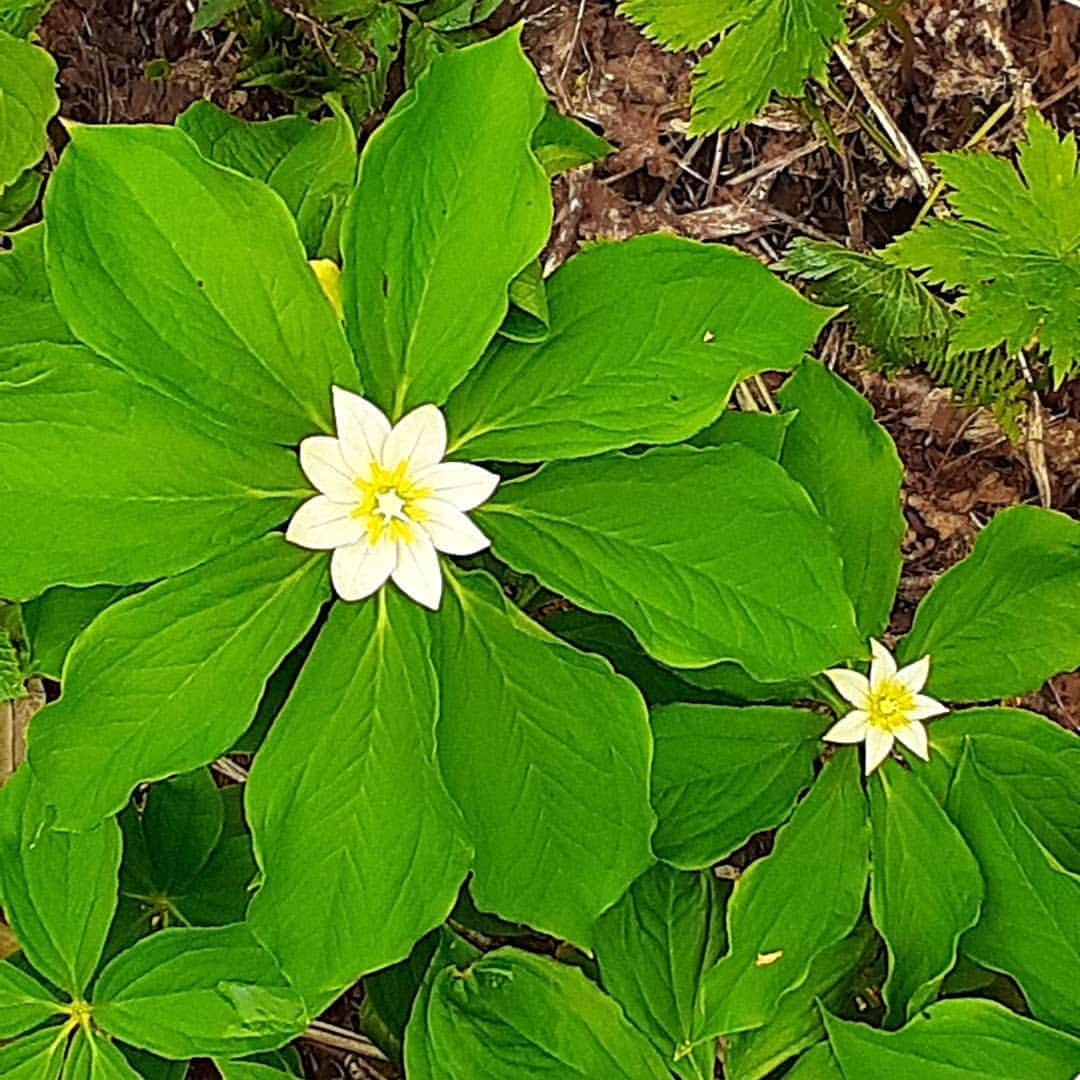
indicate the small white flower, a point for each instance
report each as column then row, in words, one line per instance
column 888, row 706
column 388, row 501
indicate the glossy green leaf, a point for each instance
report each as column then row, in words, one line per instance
column 573, row 772
column 389, row 995
column 1003, row 620
column 1026, row 887
column 38, row 1056
column 250, row 1070
column 1032, row 759
column 425, row 288
column 528, row 318
column 729, row 684
column 353, row 826
column 58, row 888
column 27, row 103
column 165, row 680
column 629, row 358
column 848, row 464
column 105, row 481
column 652, row 947
column 925, row 888
column 690, row 562
column 24, row 1002
column 27, row 311
column 722, row 774
column 788, row 907
column 186, row 991
column 495, row 1020
column 763, row 432
column 956, row 1040
column 312, row 166
column 186, row 816
column 55, row 618
column 817, row 1063
column 16, row 200
column 834, row 980
column 562, row 143
column 92, row 1057
column 226, row 317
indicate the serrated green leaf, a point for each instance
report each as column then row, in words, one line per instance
column 1004, row 620
column 652, row 947
column 189, row 991
column 59, row 888
column 19, row 17
column 722, row 774
column 690, row 562
column 575, row 773
column 788, row 907
column 164, row 681
column 893, row 312
column 1025, row 887
column 91, row 1057
column 1015, row 250
column 24, row 1002
column 1033, row 759
column 27, row 311
column 678, row 24
column 125, row 485
column 422, row 45
column 562, row 143
column 954, row 1040
column 848, row 464
column 56, row 617
column 38, row 1056
column 770, row 47
column 380, row 29
column 312, row 166
column 425, row 289
column 28, row 102
column 920, row 912
column 496, row 1017
column 627, row 359
column 245, row 335
column 353, row 825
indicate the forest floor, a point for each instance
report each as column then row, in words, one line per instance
column 756, row 188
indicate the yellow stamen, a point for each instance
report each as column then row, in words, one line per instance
column 389, row 502
column 890, row 706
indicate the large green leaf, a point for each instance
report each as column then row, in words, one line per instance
column 1004, row 620
column 803, row 897
column 106, row 481
column 627, row 359
column 27, row 311
column 192, row 278
column 425, row 287
column 24, row 1002
column 59, row 888
column 55, row 618
column 27, row 103
column 652, row 947
column 495, row 1020
column 165, row 680
column 722, row 774
column 92, row 1057
column 353, row 827
column 1030, row 922
column 925, row 888
column 38, row 1056
column 848, row 464
column 818, row 1063
column 834, row 980
column 186, row 991
column 706, row 555
column 312, row 166
column 1032, row 759
column 572, row 772
column 956, row 1040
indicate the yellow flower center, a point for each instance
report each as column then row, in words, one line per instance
column 889, row 707
column 389, row 503
column 78, row 1016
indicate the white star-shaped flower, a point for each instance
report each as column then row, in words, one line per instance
column 389, row 503
column 888, row 706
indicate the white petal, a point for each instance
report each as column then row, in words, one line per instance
column 418, row 573
column 925, row 707
column 878, row 745
column 852, row 685
column 848, row 729
column 323, row 464
column 914, row 676
column 362, row 430
column 913, row 736
column 883, row 666
column 450, row 530
column 322, row 524
column 461, row 485
column 360, row 569
column 419, row 438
